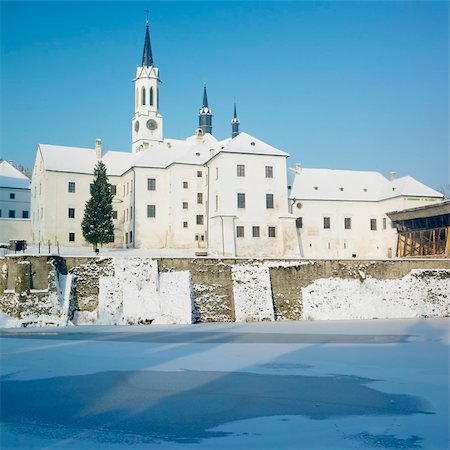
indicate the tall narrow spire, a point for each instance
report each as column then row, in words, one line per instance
column 205, row 96
column 234, row 123
column 147, row 58
column 205, row 114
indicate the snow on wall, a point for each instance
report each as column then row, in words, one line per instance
column 252, row 292
column 421, row 293
column 138, row 294
column 175, row 298
column 110, row 302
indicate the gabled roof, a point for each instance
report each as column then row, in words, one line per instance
column 10, row 177
column 59, row 158
column 353, row 185
column 245, row 143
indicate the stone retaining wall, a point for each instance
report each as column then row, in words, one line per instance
column 226, row 290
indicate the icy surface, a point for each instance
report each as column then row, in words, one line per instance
column 273, row 385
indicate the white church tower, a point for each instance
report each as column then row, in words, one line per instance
column 147, row 124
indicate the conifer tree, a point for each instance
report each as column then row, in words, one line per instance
column 97, row 225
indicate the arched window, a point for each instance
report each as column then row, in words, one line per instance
column 151, row 96
column 137, row 98
column 143, row 95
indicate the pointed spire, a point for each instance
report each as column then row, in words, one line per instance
column 205, row 114
column 234, row 123
column 147, row 58
column 205, row 97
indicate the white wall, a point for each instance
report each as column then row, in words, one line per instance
column 15, row 229
column 226, row 216
column 51, row 200
column 19, row 204
column 360, row 240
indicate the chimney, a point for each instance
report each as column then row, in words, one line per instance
column 298, row 167
column 98, row 148
column 393, row 176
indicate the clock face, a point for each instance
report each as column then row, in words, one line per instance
column 152, row 124
column 136, row 126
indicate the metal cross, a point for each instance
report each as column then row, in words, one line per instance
column 147, row 12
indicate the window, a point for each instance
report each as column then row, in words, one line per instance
column 131, row 212
column 12, row 195
column 185, row 205
column 25, row 215
column 185, row 224
column 199, row 198
column 199, row 237
column 126, row 238
column 113, row 189
column 326, row 223
column 217, row 173
column 217, row 202
column 299, row 222
column 151, row 211
column 71, row 213
column 71, row 237
column 12, row 214
column 255, row 231
column 128, row 187
column 151, row 96
column 241, row 200
column 114, row 215
column 269, row 200
column 348, row 223
column 131, row 237
column 373, row 224
column 143, row 102
column 151, row 184
column 199, row 219
column 199, row 173
column 71, row 186
column 0, row 213
column 185, row 184
column 240, row 168
column 269, row 172
column 384, row 223
column 239, row 231
column 272, row 232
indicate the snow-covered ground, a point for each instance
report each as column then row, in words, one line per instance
column 271, row 385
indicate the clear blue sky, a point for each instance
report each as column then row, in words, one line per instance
column 344, row 85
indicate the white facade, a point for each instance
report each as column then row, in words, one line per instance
column 14, row 204
column 342, row 214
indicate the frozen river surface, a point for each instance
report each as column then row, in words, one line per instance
column 280, row 385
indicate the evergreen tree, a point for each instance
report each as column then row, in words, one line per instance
column 97, row 225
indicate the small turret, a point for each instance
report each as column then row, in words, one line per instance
column 205, row 115
column 234, row 124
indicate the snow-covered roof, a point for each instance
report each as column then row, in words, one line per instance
column 192, row 150
column 60, row 158
column 10, row 177
column 245, row 143
column 353, row 185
